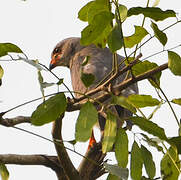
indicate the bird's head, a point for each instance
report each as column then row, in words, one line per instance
column 63, row 52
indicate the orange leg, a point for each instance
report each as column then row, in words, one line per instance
column 92, row 140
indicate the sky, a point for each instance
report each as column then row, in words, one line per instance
column 36, row 26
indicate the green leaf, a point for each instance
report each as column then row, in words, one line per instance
column 176, row 101
column 115, row 40
column 87, row 118
column 117, row 171
column 123, row 12
column 87, row 79
column 170, row 169
column 122, row 101
column 5, row 48
column 97, row 7
column 4, row 172
column 148, row 162
column 154, row 13
column 145, row 66
column 98, row 30
column 109, row 133
column 49, row 110
column 112, row 177
column 121, row 148
column 136, row 38
column 1, row 72
column 140, row 101
column 83, row 13
column 136, row 162
column 176, row 141
column 73, row 142
column 160, row 35
column 174, row 63
column 149, row 127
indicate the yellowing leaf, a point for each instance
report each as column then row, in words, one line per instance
column 4, row 172
column 136, row 38
column 109, row 133
column 1, row 72
column 87, row 118
column 123, row 12
column 49, row 110
column 174, row 63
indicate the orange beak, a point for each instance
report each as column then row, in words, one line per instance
column 55, row 60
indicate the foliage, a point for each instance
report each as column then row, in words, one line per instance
column 105, row 28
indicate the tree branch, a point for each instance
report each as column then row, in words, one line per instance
column 14, row 121
column 39, row 159
column 69, row 169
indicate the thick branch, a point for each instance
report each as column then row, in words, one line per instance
column 69, row 169
column 48, row 161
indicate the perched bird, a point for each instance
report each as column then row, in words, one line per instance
column 70, row 53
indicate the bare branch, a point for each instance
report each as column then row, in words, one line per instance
column 39, row 159
column 69, row 169
column 14, row 121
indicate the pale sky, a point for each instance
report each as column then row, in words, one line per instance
column 36, row 26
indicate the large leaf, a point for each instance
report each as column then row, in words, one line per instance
column 121, row 148
column 160, row 35
column 4, row 172
column 83, row 13
column 87, row 118
column 109, row 133
column 5, row 48
column 117, row 171
column 140, row 101
column 146, row 66
column 149, row 127
column 174, row 63
column 136, row 38
column 97, row 7
column 115, row 40
column 122, row 101
column 98, row 30
column 49, row 110
column 136, row 162
column 154, row 13
column 169, row 169
column 148, row 162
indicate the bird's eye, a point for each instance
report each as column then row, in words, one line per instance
column 56, row 50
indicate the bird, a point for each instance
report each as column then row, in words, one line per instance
column 72, row 54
